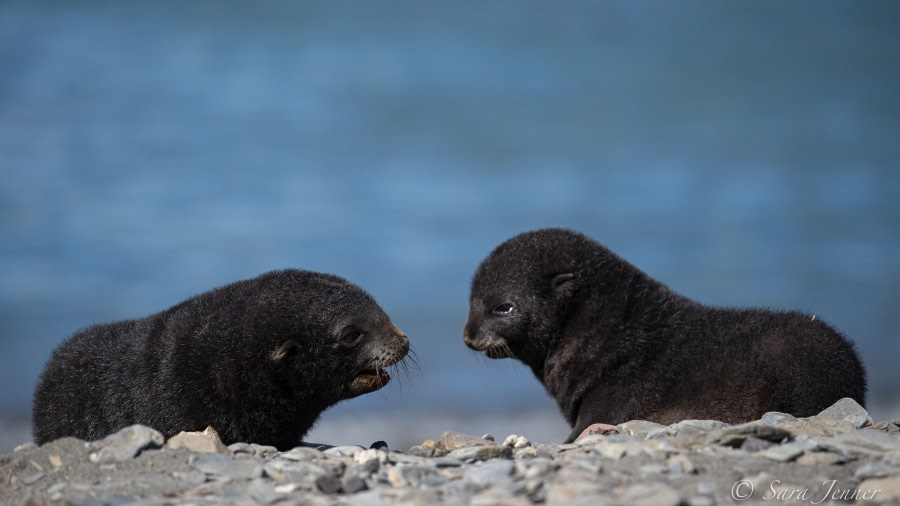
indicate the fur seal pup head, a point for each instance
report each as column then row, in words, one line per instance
column 611, row 344
column 257, row 360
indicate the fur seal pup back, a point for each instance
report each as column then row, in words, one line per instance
column 258, row 360
column 611, row 344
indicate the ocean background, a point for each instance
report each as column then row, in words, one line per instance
column 743, row 153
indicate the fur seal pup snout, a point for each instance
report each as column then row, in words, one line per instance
column 611, row 344
column 257, row 360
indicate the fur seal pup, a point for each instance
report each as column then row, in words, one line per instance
column 257, row 360
column 611, row 344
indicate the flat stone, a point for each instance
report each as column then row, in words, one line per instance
column 735, row 435
column 862, row 443
column 126, row 444
column 776, row 417
column 446, row 462
column 820, row 459
column 221, row 465
column 888, row 466
column 480, row 453
column 784, row 452
column 263, row 450
column 686, row 428
column 858, row 421
column 818, row 426
column 886, row 425
column 638, row 428
column 845, row 408
column 301, row 454
column 880, row 490
column 454, row 440
column 239, row 448
column 195, row 442
column 486, row 473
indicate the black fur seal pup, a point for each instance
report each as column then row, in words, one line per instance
column 611, row 344
column 257, row 360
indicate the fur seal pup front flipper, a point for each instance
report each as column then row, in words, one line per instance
column 257, row 360
column 611, row 344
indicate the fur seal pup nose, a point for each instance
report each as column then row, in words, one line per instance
column 258, row 360
column 611, row 344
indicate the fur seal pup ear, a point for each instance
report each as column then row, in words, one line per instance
column 257, row 360
column 611, row 344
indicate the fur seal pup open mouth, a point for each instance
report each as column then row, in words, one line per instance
column 611, row 344
column 257, row 361
column 372, row 375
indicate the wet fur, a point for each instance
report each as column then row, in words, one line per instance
column 611, row 344
column 258, row 360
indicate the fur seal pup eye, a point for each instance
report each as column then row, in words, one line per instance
column 351, row 337
column 612, row 344
column 503, row 309
column 257, row 360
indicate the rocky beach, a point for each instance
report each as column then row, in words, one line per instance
column 838, row 456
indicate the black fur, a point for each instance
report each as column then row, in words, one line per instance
column 611, row 344
column 258, row 360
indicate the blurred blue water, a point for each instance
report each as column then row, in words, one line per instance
column 745, row 154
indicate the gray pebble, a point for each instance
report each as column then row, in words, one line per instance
column 638, row 428
column 486, row 473
column 754, row 444
column 263, row 450
column 262, row 491
column 126, row 444
column 328, row 483
column 239, row 448
column 353, row 484
column 845, row 408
